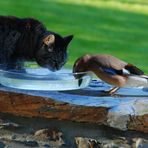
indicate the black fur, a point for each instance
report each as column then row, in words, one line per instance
column 22, row 39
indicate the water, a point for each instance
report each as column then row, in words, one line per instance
column 43, row 79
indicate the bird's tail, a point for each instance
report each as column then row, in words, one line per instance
column 137, row 81
column 144, row 76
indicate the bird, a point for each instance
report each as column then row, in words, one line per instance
column 112, row 70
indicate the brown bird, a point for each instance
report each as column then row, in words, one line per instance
column 111, row 70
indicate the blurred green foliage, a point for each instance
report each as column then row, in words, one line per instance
column 117, row 27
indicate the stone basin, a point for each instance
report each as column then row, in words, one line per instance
column 43, row 79
column 128, row 109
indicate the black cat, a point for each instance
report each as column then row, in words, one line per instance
column 28, row 39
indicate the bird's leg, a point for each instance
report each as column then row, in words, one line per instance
column 111, row 91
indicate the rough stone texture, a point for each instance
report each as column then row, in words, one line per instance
column 128, row 112
column 64, row 134
column 139, row 122
column 93, row 143
column 33, row 106
column 49, row 134
column 130, row 116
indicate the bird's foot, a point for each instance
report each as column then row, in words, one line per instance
column 107, row 93
column 110, row 92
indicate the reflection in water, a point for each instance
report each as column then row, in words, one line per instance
column 145, row 89
column 43, row 79
column 92, row 96
column 97, row 87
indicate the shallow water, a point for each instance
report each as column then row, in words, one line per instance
column 88, row 96
column 43, row 79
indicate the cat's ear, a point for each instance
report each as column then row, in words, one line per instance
column 50, row 39
column 67, row 39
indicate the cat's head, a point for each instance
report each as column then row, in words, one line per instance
column 53, row 51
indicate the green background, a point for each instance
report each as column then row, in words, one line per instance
column 117, row 27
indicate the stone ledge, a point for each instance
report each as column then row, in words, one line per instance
column 128, row 113
column 124, row 112
column 34, row 106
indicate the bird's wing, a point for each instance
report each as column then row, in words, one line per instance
column 109, row 61
column 113, row 65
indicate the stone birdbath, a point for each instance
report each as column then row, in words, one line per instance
column 126, row 111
